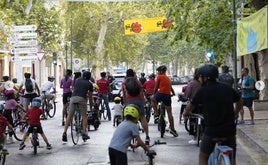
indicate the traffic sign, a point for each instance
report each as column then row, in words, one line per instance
column 25, row 35
column 24, row 28
column 40, row 55
column 23, row 43
column 24, row 51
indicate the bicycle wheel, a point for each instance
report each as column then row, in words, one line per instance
column 76, row 128
column 104, row 110
column 51, row 112
column 45, row 107
column 148, row 112
column 223, row 159
column 199, row 134
column 20, row 128
column 187, row 124
column 161, row 125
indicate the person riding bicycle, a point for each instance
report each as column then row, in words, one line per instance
column 138, row 99
column 123, row 135
column 142, row 79
column 163, row 92
column 217, row 101
column 103, row 92
column 148, row 86
column 3, row 124
column 82, row 93
column 66, row 85
column 118, row 109
column 33, row 116
column 47, row 86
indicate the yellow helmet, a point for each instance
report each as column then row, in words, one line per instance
column 131, row 110
column 117, row 99
column 95, row 87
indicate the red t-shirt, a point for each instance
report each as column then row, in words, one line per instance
column 3, row 125
column 164, row 84
column 34, row 116
column 148, row 86
column 104, row 86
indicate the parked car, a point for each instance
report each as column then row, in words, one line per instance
column 117, row 85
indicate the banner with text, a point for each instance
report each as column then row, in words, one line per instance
column 252, row 33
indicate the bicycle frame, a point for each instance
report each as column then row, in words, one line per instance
column 161, row 120
column 46, row 106
column 221, row 153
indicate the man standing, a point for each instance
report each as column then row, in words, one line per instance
column 247, row 95
column 217, row 102
column 225, row 77
column 104, row 89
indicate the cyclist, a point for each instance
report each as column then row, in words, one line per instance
column 123, row 135
column 138, row 100
column 7, row 84
column 33, row 115
column 142, row 79
column 3, row 124
column 81, row 94
column 118, row 109
column 104, row 89
column 47, row 86
column 66, row 85
column 148, row 86
column 16, row 88
column 217, row 101
column 162, row 92
column 29, row 95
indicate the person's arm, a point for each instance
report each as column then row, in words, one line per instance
column 21, row 107
column 156, row 86
column 172, row 91
column 238, row 107
column 188, row 110
column 141, row 143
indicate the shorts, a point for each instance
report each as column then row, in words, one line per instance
column 207, row 144
column 39, row 129
column 82, row 103
column 140, row 105
column 65, row 97
column 248, row 102
column 166, row 99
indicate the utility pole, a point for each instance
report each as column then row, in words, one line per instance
column 234, row 44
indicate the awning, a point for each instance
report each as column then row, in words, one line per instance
column 252, row 33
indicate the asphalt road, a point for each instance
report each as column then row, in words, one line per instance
column 177, row 151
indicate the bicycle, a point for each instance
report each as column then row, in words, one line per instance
column 35, row 140
column 151, row 153
column 19, row 126
column 3, row 154
column 194, row 125
column 221, row 154
column 49, row 108
column 161, row 119
column 148, row 109
column 102, row 108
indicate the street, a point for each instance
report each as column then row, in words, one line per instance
column 95, row 150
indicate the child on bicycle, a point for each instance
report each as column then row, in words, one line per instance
column 123, row 135
column 118, row 109
column 33, row 115
column 3, row 124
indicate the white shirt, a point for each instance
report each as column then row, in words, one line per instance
column 47, row 87
column 23, row 84
column 118, row 110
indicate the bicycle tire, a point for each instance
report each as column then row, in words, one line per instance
column 148, row 113
column 45, row 106
column 104, row 110
column 51, row 112
column 187, row 124
column 19, row 130
column 223, row 159
column 75, row 128
column 161, row 126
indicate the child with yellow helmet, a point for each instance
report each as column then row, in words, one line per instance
column 123, row 135
column 118, row 111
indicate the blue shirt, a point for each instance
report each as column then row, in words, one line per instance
column 246, row 82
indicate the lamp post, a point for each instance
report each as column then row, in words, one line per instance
column 88, row 54
column 66, row 54
column 234, row 46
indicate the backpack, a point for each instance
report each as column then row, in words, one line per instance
column 29, row 85
column 132, row 86
column 226, row 78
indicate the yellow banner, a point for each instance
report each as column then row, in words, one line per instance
column 252, row 33
column 146, row 25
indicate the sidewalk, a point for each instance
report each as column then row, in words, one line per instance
column 256, row 135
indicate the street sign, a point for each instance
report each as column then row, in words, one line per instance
column 24, row 51
column 24, row 58
column 40, row 55
column 25, row 35
column 24, row 28
column 23, row 43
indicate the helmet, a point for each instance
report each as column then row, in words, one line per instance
column 2, row 107
column 162, row 68
column 86, row 75
column 152, row 75
column 142, row 74
column 36, row 102
column 14, row 80
column 131, row 110
column 5, row 78
column 9, row 92
column 208, row 70
column 117, row 99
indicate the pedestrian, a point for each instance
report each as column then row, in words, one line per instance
column 248, row 95
column 142, row 79
column 133, row 94
column 118, row 109
column 123, row 135
column 217, row 101
column 225, row 77
column 82, row 94
column 33, row 115
column 163, row 92
column 7, row 84
column 66, row 85
column 104, row 90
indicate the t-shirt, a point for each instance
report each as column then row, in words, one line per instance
column 217, row 101
column 192, row 88
column 47, row 87
column 164, row 84
column 66, row 85
column 34, row 114
column 81, row 88
column 11, row 104
column 148, row 86
column 3, row 125
column 124, row 133
column 118, row 110
column 104, row 86
column 246, row 82
column 8, row 85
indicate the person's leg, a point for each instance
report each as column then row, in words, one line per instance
column 83, row 112
column 106, row 102
column 203, row 158
column 144, row 125
column 154, row 105
column 69, row 118
column 251, row 113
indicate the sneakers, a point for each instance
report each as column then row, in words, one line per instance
column 192, row 141
column 174, row 133
column 64, row 137
column 147, row 141
column 49, row 147
column 251, row 123
column 22, row 146
column 5, row 151
column 240, row 122
column 85, row 137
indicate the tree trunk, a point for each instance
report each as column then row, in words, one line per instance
column 263, row 63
